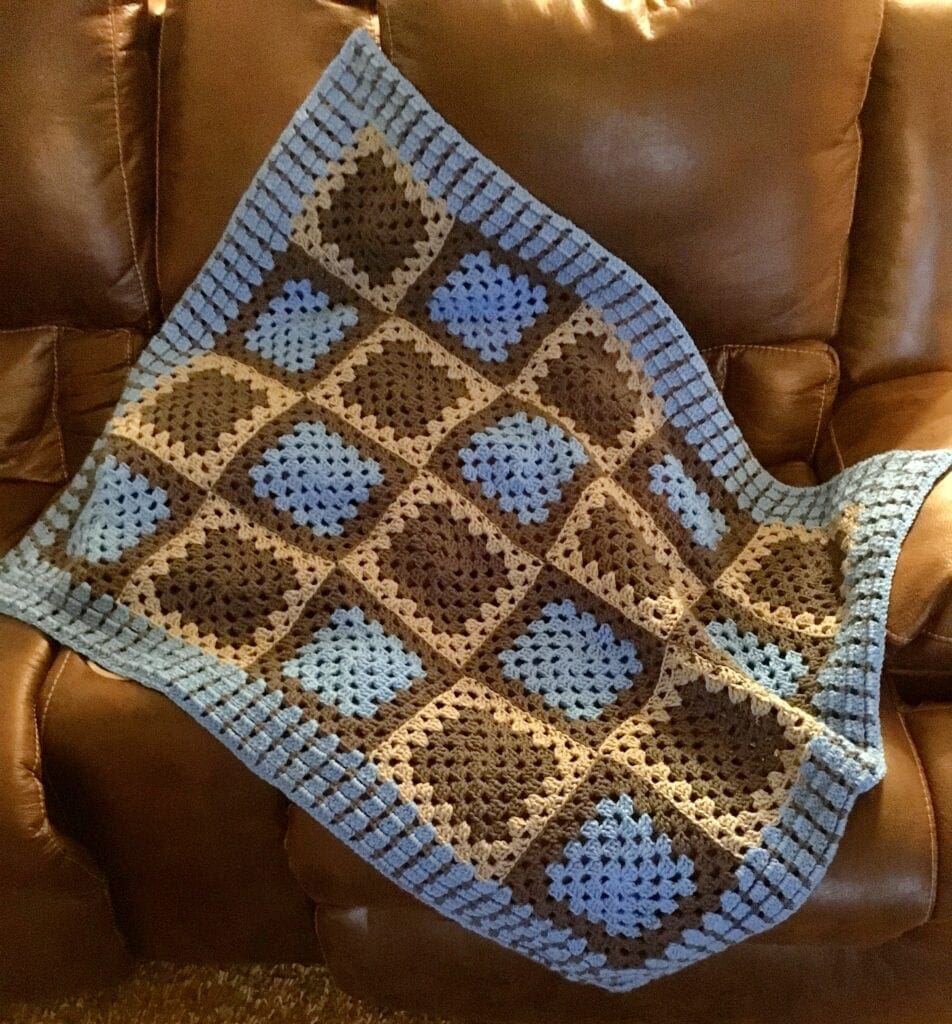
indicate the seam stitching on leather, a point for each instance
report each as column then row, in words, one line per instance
column 54, row 397
column 778, row 349
column 122, row 161
column 387, row 22
column 839, row 301
column 819, row 418
column 784, row 349
column 70, row 327
column 157, row 156
column 36, row 769
column 41, row 718
column 943, row 638
column 898, row 638
column 836, row 447
column 57, row 334
column 57, row 331
column 930, row 813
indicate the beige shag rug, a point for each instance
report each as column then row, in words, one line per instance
column 161, row 993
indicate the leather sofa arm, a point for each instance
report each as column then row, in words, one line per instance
column 57, row 931
column 912, row 412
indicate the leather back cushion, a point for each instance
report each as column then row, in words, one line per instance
column 76, row 177
column 898, row 315
column 230, row 76
column 713, row 144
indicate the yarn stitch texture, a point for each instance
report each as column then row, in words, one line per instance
column 427, row 507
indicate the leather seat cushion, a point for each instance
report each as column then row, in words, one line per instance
column 208, row 870
column 879, row 884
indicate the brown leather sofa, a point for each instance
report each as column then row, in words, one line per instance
column 715, row 145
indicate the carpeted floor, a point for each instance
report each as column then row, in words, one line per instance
column 173, row 994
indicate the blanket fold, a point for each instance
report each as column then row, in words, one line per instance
column 428, row 508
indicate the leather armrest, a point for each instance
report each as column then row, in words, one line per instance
column 192, row 843
column 57, row 931
column 912, row 412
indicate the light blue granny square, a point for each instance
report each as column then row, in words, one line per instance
column 122, row 508
column 316, row 476
column 522, row 463
column 354, row 664
column 299, row 326
column 486, row 307
column 574, row 662
column 620, row 873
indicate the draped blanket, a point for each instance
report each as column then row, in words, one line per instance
column 427, row 507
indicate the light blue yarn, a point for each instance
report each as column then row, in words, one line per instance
column 485, row 306
column 121, row 510
column 571, row 660
column 693, row 507
column 619, row 872
column 778, row 670
column 522, row 464
column 354, row 664
column 316, row 476
column 300, row 326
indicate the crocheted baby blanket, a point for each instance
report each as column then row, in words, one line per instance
column 428, row 508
